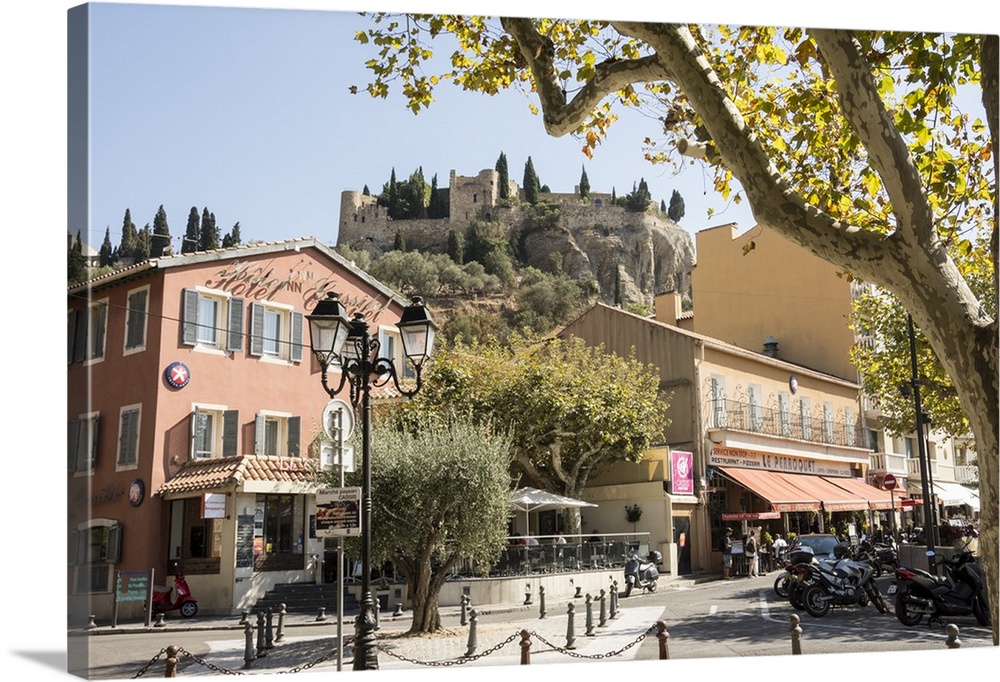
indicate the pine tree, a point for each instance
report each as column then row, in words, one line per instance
column 161, row 234
column 76, row 263
column 192, row 237
column 530, row 183
column 106, row 254
column 584, row 185
column 209, row 232
column 366, row 192
column 503, row 177
column 676, row 210
column 129, row 242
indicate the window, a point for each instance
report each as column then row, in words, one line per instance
column 873, row 440
column 277, row 435
column 828, row 422
column 96, row 547
column 275, row 332
column 755, row 396
column 391, row 347
column 212, row 320
column 717, row 394
column 283, row 523
column 805, row 418
column 192, row 537
column 82, row 441
column 135, row 320
column 128, row 437
column 910, row 448
column 214, row 432
column 86, row 333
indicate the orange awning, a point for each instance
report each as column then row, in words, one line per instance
column 834, row 497
column 877, row 498
column 782, row 495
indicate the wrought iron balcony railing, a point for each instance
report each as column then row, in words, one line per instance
column 743, row 416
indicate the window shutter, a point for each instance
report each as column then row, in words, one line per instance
column 234, row 333
column 192, row 431
column 258, row 441
column 101, row 325
column 295, row 351
column 190, row 318
column 136, row 320
column 73, row 437
column 294, row 435
column 256, row 329
column 84, row 439
column 114, row 543
column 80, row 342
column 71, row 337
column 83, row 545
column 95, row 424
column 230, row 432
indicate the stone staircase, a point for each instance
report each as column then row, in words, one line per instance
column 305, row 598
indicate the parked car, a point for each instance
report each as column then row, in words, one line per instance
column 821, row 544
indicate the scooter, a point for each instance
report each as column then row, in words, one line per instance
column 961, row 593
column 182, row 601
column 641, row 573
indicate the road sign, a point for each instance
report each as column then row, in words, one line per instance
column 888, row 482
column 328, row 457
column 338, row 420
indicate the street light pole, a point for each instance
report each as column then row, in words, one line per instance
column 337, row 340
column 921, row 449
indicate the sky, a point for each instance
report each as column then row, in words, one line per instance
column 302, row 127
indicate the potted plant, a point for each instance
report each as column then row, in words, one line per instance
column 632, row 514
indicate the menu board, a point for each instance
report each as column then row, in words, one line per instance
column 244, row 541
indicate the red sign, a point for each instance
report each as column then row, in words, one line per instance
column 910, row 503
column 888, row 482
column 751, row 516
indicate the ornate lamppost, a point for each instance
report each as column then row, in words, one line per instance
column 348, row 344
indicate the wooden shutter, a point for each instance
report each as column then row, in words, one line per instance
column 127, row 442
column 230, row 432
column 136, row 320
column 294, row 435
column 189, row 318
column 256, row 329
column 114, row 543
column 295, row 348
column 71, row 337
column 73, row 445
column 80, row 341
column 95, row 424
column 100, row 327
column 258, row 441
column 234, row 331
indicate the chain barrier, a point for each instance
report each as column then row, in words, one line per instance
column 610, row 654
column 143, row 669
column 181, row 651
column 453, row 661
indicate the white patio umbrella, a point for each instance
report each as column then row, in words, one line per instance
column 532, row 499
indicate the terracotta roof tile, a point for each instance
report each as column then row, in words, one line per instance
column 232, row 472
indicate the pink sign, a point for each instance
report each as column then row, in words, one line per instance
column 682, row 473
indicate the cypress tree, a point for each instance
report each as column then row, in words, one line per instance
column 143, row 243
column 76, row 263
column 663, row 206
column 237, row 238
column 129, row 243
column 105, row 256
column 676, row 210
column 530, row 183
column 456, row 246
column 437, row 208
column 584, row 184
column 209, row 232
column 192, row 237
column 399, row 243
column 366, row 192
column 503, row 179
column 161, row 234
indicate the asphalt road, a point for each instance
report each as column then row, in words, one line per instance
column 719, row 619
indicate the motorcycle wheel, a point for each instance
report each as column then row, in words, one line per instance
column 652, row 586
column 904, row 614
column 781, row 586
column 795, row 598
column 981, row 610
column 815, row 602
column 876, row 597
column 189, row 609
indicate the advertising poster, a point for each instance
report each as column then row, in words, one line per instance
column 338, row 512
column 681, row 473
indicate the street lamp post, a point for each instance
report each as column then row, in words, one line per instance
column 925, row 486
column 337, row 340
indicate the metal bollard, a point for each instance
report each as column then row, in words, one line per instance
column 248, row 652
column 796, row 633
column 541, row 601
column 244, row 617
column 321, row 616
column 377, row 609
column 465, row 609
column 525, row 647
column 604, row 611
column 472, row 644
column 92, row 622
column 590, row 617
column 614, row 599
column 170, row 670
column 281, row 623
column 160, row 621
column 662, row 636
column 570, row 635
column 269, row 635
column 953, row 642
column 399, row 610
column 261, row 645
column 527, row 594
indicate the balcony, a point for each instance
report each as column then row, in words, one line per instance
column 967, row 474
column 913, row 468
column 743, row 416
column 889, row 463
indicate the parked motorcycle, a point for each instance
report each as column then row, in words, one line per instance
column 884, row 556
column 800, row 568
column 783, row 580
column 182, row 599
column 849, row 581
column 639, row 573
column 962, row 591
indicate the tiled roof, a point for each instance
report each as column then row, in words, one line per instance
column 233, row 472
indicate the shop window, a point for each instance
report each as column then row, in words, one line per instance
column 212, row 320
column 82, row 442
column 95, row 548
column 214, row 432
column 280, row 535
column 135, row 320
column 195, row 542
column 128, row 437
column 275, row 332
column 277, row 435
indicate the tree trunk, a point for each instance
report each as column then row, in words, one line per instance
column 426, row 616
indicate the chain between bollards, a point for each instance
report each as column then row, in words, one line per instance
column 796, row 633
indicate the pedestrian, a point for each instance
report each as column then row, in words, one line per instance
column 726, row 547
column 778, row 546
column 750, row 552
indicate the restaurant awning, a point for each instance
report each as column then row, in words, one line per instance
column 877, row 498
column 782, row 495
column 834, row 498
column 955, row 494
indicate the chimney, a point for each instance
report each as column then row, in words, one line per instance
column 771, row 347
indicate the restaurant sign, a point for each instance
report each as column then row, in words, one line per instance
column 681, row 473
column 769, row 461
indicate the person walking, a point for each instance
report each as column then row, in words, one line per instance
column 726, row 547
column 750, row 552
